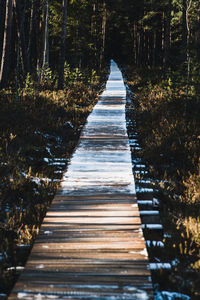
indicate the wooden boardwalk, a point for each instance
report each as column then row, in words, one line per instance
column 91, row 244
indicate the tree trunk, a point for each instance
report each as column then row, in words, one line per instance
column 184, row 29
column 198, row 34
column 103, row 32
column 38, row 36
column 154, row 52
column 32, row 25
column 141, row 47
column 93, row 20
column 159, row 42
column 151, row 49
column 5, row 59
column 62, row 46
column 135, row 43
column 163, row 39
column 167, row 42
column 20, row 14
column 138, row 46
column 144, row 47
column 2, row 23
column 45, row 54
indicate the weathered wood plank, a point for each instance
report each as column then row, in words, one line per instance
column 93, row 213
column 91, row 244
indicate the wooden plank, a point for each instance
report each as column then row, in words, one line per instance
column 91, row 244
column 90, row 207
column 93, row 213
column 91, row 256
column 101, row 197
column 90, row 234
column 131, row 245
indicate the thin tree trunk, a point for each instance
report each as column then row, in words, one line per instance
column 184, row 29
column 144, row 46
column 38, row 36
column 94, row 30
column 39, row 44
column 93, row 20
column 167, row 42
column 30, row 41
column 141, row 48
column 103, row 31
column 188, row 55
column 5, row 59
column 159, row 36
column 62, row 46
column 163, row 38
column 151, row 45
column 154, row 50
column 135, row 43
column 198, row 34
column 17, row 72
column 45, row 56
column 20, row 13
column 138, row 46
column 2, row 23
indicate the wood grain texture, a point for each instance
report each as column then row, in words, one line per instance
column 91, row 244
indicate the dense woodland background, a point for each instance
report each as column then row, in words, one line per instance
column 54, row 61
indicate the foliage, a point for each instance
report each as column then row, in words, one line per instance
column 29, row 85
column 47, row 77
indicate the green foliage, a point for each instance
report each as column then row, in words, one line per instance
column 72, row 76
column 47, row 77
column 29, row 84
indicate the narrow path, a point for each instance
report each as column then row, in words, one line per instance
column 91, row 244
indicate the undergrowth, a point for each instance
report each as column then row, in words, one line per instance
column 166, row 109
column 39, row 129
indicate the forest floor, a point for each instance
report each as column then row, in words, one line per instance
column 39, row 132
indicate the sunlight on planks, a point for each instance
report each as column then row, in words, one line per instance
column 91, row 244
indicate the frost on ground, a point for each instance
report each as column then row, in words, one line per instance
column 165, row 295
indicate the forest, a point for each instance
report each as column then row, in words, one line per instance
column 54, row 62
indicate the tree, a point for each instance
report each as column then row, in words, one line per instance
column 45, row 54
column 167, row 34
column 2, row 23
column 32, row 50
column 198, row 32
column 62, row 45
column 20, row 16
column 104, row 17
column 184, row 28
column 5, row 59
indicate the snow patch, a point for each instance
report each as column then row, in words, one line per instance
column 149, row 212
column 142, row 252
column 48, row 232
column 165, row 295
column 159, row 266
column 152, row 226
column 40, row 266
column 15, row 268
column 145, row 202
column 155, row 244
